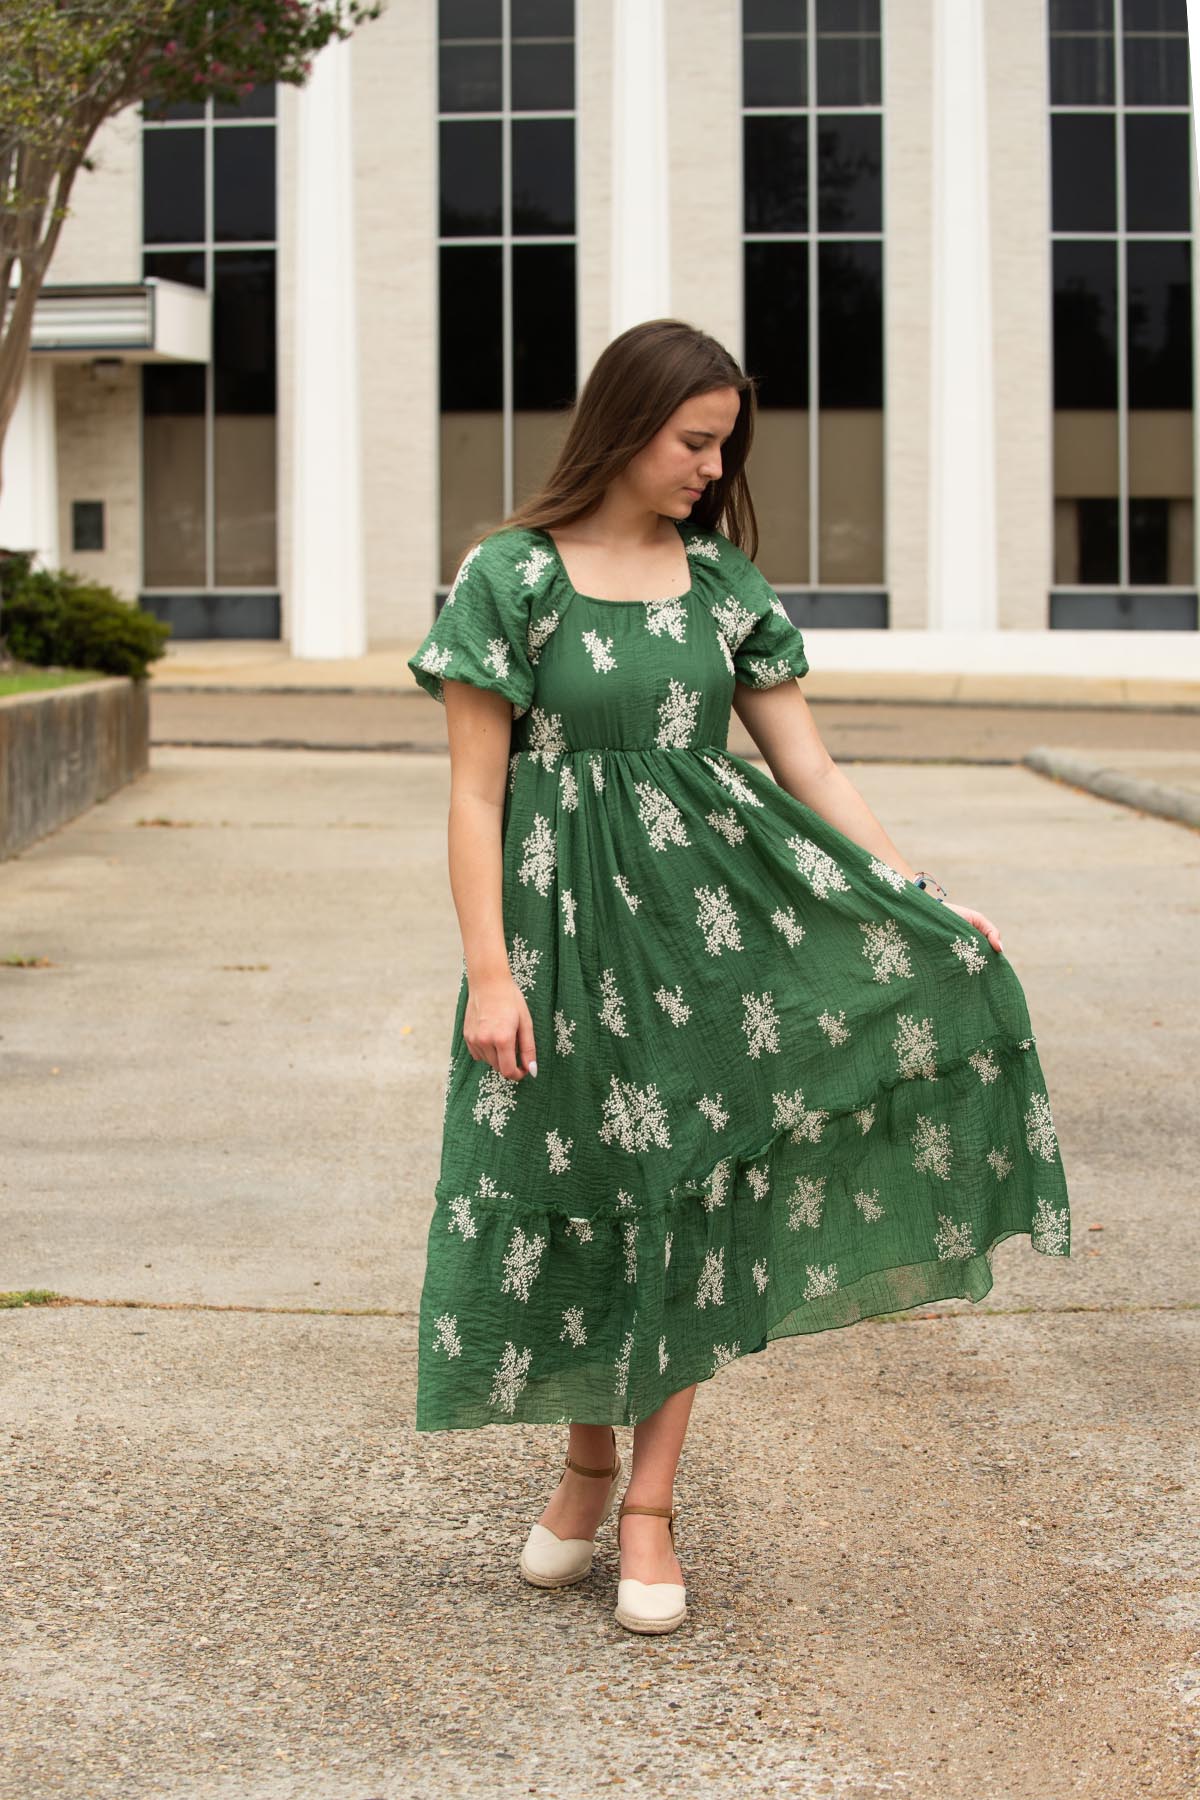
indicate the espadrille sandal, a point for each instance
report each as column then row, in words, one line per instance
column 550, row 1561
column 650, row 1605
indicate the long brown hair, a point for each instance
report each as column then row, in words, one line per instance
column 638, row 382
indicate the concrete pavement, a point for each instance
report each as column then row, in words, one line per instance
column 943, row 1557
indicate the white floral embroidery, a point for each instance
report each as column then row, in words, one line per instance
column 1025, row 1044
column 731, row 778
column 447, row 1338
column 768, row 673
column 868, row 1204
column 886, row 950
column 761, row 1278
column 667, row 1242
column 630, row 1231
column 496, row 1098
column 663, row 1357
column 817, row 867
column 568, row 788
column 1040, row 1135
column 463, row 1219
column 866, row 1118
column 670, row 616
column 559, row 1152
column 622, row 1365
column 540, row 856
column 634, row 1117
column 523, row 960
column 723, row 1354
column 597, row 768
column 788, row 923
column 760, row 1022
column 726, row 653
column 463, row 567
column 660, row 816
column 672, row 1003
column 804, row 1124
column 734, row 621
column 511, row 1374
column 953, row 1240
column 714, row 1111
column 522, row 1260
column 497, row 658
column 885, row 872
column 932, row 1145
column 703, row 547
column 805, row 1201
column 534, row 566
column 581, row 1228
column 715, row 1185
column 710, row 1289
column 759, row 1183
column 777, row 606
column 624, row 1198
column 718, row 920
column 538, row 635
column 631, row 900
column 600, row 651
column 835, row 1027
column 727, row 824
column 612, row 1012
column 546, row 741
column 969, row 955
column 564, row 1033
column 514, row 763
column 820, row 1281
column 915, row 1047
column 677, row 716
column 1051, row 1228
column 985, row 1066
column 1000, row 1162
column 573, row 1327
column 568, row 906
column 435, row 660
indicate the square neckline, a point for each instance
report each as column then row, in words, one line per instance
column 597, row 600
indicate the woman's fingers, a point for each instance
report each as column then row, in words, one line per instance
column 525, row 1043
column 981, row 922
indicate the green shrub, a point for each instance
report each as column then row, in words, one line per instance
column 55, row 618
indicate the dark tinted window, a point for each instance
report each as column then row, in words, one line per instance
column 176, row 265
column 1098, row 526
column 543, row 177
column 848, row 70
column 469, row 18
column 244, row 183
column 849, row 173
column 244, row 331
column 776, row 306
column 472, row 332
column 543, row 77
column 776, row 174
column 850, row 335
column 775, row 71
column 470, row 178
column 543, row 326
column 469, row 77
column 172, row 186
column 259, row 103
column 543, row 18
column 1085, row 326
column 1158, row 177
column 1149, row 542
column 773, row 15
column 1084, row 169
column 1160, row 325
column 176, row 388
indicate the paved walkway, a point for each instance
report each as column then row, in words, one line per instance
column 944, row 1558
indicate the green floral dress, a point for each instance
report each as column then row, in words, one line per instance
column 779, row 1087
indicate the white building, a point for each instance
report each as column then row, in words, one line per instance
column 296, row 354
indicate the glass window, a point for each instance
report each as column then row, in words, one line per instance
column 1085, row 326
column 1160, row 325
column 775, row 70
column 173, row 186
column 776, row 174
column 543, row 177
column 469, row 77
column 244, row 184
column 849, row 173
column 776, row 305
column 1084, row 167
column 471, row 305
column 1158, row 184
column 469, row 18
column 471, row 178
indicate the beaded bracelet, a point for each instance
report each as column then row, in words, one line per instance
column 923, row 879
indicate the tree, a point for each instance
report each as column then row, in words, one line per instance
column 66, row 66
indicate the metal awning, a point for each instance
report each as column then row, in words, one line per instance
column 137, row 321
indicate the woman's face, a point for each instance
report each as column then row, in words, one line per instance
column 680, row 460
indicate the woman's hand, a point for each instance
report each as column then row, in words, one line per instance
column 497, row 1027
column 980, row 921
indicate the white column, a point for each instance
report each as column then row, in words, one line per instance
column 328, row 605
column 962, row 488
column 641, row 246
column 29, row 500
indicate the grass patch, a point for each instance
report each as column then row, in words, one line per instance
column 25, row 962
column 28, row 1297
column 33, row 681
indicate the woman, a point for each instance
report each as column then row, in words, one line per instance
column 784, row 1085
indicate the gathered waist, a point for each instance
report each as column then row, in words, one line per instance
column 539, row 754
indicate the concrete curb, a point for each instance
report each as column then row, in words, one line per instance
column 62, row 749
column 1114, row 784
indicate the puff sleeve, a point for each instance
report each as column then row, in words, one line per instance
column 481, row 634
column 773, row 649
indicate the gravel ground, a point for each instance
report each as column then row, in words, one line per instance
column 939, row 1558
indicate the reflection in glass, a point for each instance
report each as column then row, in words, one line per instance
column 848, row 71
column 1085, row 326
column 1084, row 171
column 470, row 178
column 775, row 71
column 244, row 183
column 849, row 173
column 1160, row 325
column 543, row 77
column 469, row 78
column 776, row 311
column 544, row 355
column 244, row 332
column 186, row 266
column 850, row 421
column 776, row 174
column 173, row 475
column 173, row 186
column 543, row 177
column 1157, row 172
column 1156, row 71
column 850, row 332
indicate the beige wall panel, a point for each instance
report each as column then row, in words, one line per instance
column 593, row 161
column 395, row 122
column 704, row 124
column 97, row 432
column 101, row 239
column 908, row 253
column 1018, row 154
column 286, row 99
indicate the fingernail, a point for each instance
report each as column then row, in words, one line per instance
column 533, row 1068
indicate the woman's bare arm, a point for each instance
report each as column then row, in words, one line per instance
column 497, row 1025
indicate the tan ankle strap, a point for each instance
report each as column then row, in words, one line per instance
column 658, row 1512
column 609, row 1474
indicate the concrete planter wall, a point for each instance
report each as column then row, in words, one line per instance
column 63, row 750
